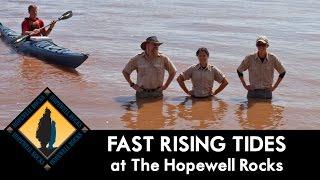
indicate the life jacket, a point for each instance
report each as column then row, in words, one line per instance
column 30, row 25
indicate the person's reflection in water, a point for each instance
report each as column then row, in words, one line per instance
column 151, row 113
column 259, row 114
column 203, row 113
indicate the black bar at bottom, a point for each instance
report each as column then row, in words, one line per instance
column 90, row 156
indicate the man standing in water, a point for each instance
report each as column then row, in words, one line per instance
column 202, row 76
column 261, row 67
column 150, row 66
column 32, row 24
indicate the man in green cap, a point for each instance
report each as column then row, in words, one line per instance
column 261, row 67
column 150, row 66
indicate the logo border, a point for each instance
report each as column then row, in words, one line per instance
column 25, row 115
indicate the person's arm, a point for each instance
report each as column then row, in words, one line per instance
column 186, row 75
column 131, row 66
column 169, row 80
column 243, row 82
column 223, row 84
column 220, row 78
column 128, row 78
column 27, row 32
column 45, row 32
column 172, row 70
column 243, row 67
column 183, row 86
column 282, row 72
column 25, row 28
column 272, row 88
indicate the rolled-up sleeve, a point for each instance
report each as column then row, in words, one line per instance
column 169, row 66
column 279, row 66
column 131, row 66
column 244, row 65
column 187, row 74
column 218, row 75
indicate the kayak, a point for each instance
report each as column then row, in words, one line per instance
column 45, row 50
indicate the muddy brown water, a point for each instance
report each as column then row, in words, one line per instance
column 111, row 32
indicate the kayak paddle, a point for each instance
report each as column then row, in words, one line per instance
column 64, row 16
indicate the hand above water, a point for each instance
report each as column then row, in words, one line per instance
column 163, row 87
column 36, row 31
column 248, row 87
column 271, row 88
column 52, row 24
column 137, row 88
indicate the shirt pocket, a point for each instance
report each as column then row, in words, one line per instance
column 269, row 69
column 208, row 77
column 142, row 70
column 196, row 78
column 159, row 69
column 255, row 69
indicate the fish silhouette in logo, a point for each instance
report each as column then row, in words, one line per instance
column 46, row 133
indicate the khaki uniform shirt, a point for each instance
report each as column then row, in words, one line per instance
column 150, row 73
column 261, row 74
column 202, row 79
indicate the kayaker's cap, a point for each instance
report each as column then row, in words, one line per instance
column 153, row 39
column 263, row 39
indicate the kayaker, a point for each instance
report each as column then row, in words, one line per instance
column 261, row 67
column 202, row 76
column 150, row 66
column 32, row 24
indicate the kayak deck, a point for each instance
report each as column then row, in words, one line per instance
column 45, row 50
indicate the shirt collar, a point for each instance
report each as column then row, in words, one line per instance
column 145, row 55
column 257, row 57
column 203, row 68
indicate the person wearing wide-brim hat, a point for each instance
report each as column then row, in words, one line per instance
column 261, row 66
column 150, row 66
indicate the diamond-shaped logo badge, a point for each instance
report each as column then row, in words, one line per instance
column 47, row 129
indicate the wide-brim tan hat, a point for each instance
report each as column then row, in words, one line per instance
column 153, row 39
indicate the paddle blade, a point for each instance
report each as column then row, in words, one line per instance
column 66, row 15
